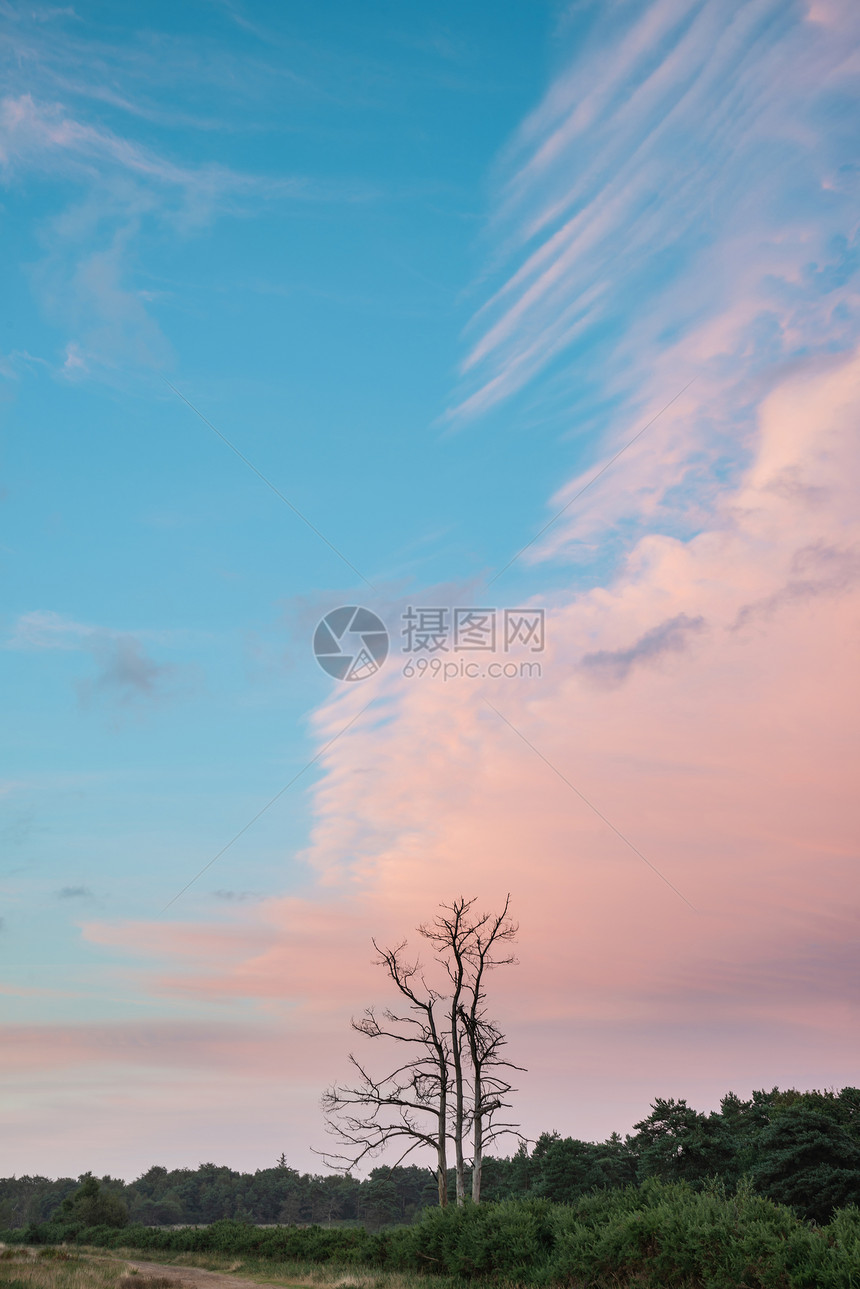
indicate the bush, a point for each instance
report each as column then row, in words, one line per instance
column 91, row 1205
column 656, row 1236
column 808, row 1161
column 510, row 1238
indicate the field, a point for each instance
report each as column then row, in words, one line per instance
column 654, row 1236
column 58, row 1268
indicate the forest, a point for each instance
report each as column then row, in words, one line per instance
column 800, row 1149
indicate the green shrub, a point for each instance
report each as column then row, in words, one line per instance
column 808, row 1161
column 656, row 1236
column 92, row 1205
column 509, row 1238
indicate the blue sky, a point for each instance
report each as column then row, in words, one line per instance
column 280, row 209
column 430, row 269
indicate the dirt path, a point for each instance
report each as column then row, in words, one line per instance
column 194, row 1277
column 198, row 1277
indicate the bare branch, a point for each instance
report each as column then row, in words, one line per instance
column 452, row 1077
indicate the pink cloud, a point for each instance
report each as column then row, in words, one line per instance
column 119, row 1097
column 704, row 701
column 727, row 754
column 679, row 132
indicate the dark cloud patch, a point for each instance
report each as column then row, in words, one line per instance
column 793, row 487
column 612, row 666
column 815, row 570
column 125, row 670
column 74, row 893
column 236, row 896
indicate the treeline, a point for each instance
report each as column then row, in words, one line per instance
column 797, row 1148
column 211, row 1193
column 653, row 1236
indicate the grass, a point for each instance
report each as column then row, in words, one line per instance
column 296, row 1275
column 655, row 1236
column 54, row 1268
column 84, row 1268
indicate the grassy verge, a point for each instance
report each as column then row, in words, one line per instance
column 650, row 1237
column 56, row 1268
column 207, row 1261
column 300, row 1275
column 94, row 1268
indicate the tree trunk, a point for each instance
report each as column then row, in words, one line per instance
column 460, row 1166
column 457, row 936
column 442, row 1178
column 442, row 1145
column 478, row 1143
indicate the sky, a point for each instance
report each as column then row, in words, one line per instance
column 532, row 329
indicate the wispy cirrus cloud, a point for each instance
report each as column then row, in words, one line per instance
column 43, row 135
column 89, row 280
column 652, row 145
column 673, row 211
column 44, row 629
column 100, row 121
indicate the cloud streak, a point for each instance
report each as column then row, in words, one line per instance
column 124, row 670
column 91, row 282
column 37, row 135
column 637, row 251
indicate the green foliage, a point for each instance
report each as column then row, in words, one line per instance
column 309, row 1244
column 809, row 1161
column 799, row 1148
column 511, row 1237
column 211, row 1192
column 564, row 1168
column 676, row 1143
column 654, row 1236
column 31, row 1199
column 92, row 1205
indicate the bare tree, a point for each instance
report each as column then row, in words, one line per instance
column 410, row 1103
column 490, row 1085
column 449, row 933
column 469, row 946
column 453, row 1079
